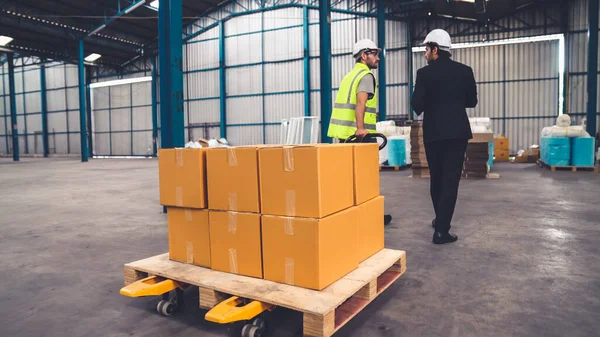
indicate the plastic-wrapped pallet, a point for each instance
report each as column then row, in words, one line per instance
column 564, row 132
column 396, row 151
column 556, row 151
column 582, row 151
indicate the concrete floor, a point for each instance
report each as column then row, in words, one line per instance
column 527, row 262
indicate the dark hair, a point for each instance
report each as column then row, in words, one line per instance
column 441, row 53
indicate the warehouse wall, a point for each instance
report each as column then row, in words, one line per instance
column 62, row 104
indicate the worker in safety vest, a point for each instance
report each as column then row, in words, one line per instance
column 355, row 108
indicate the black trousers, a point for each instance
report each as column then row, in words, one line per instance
column 445, row 159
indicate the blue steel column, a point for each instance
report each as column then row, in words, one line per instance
column 592, row 74
column 325, row 58
column 409, row 66
column 13, row 107
column 382, row 68
column 154, row 109
column 222, row 83
column 306, row 32
column 44, row 108
column 171, row 77
column 82, row 104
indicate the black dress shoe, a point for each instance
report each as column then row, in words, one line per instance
column 387, row 219
column 433, row 223
column 440, row 238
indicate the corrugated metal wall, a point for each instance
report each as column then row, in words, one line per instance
column 577, row 61
column 63, row 109
column 122, row 120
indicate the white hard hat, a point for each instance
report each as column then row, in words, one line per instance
column 362, row 45
column 439, row 37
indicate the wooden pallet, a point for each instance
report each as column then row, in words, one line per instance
column 488, row 176
column 395, row 168
column 324, row 312
column 568, row 168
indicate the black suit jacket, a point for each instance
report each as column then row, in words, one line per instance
column 444, row 89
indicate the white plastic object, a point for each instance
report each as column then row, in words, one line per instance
column 563, row 121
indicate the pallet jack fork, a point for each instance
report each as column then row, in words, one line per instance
column 247, row 316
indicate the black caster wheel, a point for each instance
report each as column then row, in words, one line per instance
column 251, row 330
column 260, row 323
column 235, row 329
column 166, row 308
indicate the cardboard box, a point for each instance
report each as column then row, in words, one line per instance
column 370, row 228
column 306, row 181
column 235, row 244
column 366, row 172
column 501, row 143
column 182, row 177
column 233, row 179
column 310, row 253
column 482, row 137
column 189, row 236
column 501, row 156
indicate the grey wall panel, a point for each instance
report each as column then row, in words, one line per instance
column 532, row 99
column 34, row 123
column 73, row 99
column 577, row 94
column 57, row 122
column 58, row 143
column 243, row 24
column 245, row 135
column 3, row 144
column 578, row 14
column 19, row 103
column 56, row 100
column 21, row 124
column 204, row 111
column 315, row 74
column 142, row 143
column 121, row 119
column 272, row 134
column 287, row 76
column 99, row 98
column 32, row 79
column 72, row 75
column 18, row 81
column 244, row 110
column 244, row 80
column 74, row 143
column 243, row 49
column 202, row 55
column 102, row 144
column 532, row 60
column 142, row 118
column 340, row 66
column 101, row 120
column 73, row 120
column 282, row 18
column 366, row 28
column 491, row 101
column 120, row 96
column 396, row 67
column 204, row 84
column 278, row 107
column 343, row 33
column 284, row 44
column 395, row 34
column 33, row 102
column 315, row 104
column 397, row 101
column 141, row 93
column 314, row 38
column 55, row 77
column 121, row 144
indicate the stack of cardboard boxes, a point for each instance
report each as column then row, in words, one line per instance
column 301, row 215
column 420, row 167
column 501, row 149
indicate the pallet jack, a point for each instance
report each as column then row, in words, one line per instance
column 247, row 318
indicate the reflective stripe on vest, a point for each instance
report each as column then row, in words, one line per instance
column 343, row 118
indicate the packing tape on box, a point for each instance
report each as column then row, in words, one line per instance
column 233, row 201
column 290, row 203
column 232, row 222
column 189, row 252
column 233, row 263
column 179, row 157
column 231, row 157
column 179, row 196
column 289, row 271
column 288, row 226
column 288, row 159
column 188, row 215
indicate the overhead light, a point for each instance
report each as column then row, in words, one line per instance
column 92, row 57
column 154, row 4
column 120, row 82
column 4, row 40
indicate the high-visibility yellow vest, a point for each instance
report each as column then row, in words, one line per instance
column 343, row 117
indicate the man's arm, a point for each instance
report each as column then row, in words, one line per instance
column 418, row 99
column 361, row 106
column 471, row 90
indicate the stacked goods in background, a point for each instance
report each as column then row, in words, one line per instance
column 420, row 167
column 476, row 160
column 300, row 215
column 393, row 132
column 567, row 145
column 501, row 148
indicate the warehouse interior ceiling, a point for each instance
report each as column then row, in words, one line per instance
column 52, row 28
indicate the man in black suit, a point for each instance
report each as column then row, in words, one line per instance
column 443, row 90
